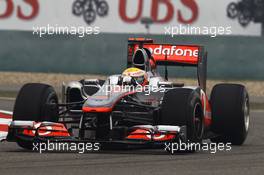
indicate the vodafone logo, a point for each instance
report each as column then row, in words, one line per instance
column 185, row 54
column 174, row 51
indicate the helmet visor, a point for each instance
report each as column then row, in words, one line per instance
column 139, row 80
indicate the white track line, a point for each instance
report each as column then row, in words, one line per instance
column 3, row 135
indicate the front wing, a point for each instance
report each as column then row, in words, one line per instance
column 57, row 132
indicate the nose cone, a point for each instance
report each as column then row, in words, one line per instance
column 103, row 102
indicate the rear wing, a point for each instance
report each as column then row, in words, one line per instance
column 173, row 55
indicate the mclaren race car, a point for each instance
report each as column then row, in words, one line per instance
column 136, row 107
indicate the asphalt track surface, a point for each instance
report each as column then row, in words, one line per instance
column 248, row 159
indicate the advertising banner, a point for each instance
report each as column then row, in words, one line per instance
column 189, row 17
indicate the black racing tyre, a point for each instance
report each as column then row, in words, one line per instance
column 25, row 144
column 33, row 104
column 230, row 113
column 183, row 107
column 259, row 3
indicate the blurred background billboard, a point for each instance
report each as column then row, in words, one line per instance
column 90, row 36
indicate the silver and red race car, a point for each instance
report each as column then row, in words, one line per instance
column 137, row 107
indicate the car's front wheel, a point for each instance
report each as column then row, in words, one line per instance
column 35, row 102
column 183, row 107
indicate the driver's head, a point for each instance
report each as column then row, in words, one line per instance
column 135, row 76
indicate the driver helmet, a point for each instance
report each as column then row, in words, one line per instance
column 136, row 75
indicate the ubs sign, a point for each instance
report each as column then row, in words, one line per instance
column 89, row 9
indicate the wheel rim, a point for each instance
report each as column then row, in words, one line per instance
column 52, row 101
column 198, row 121
column 246, row 114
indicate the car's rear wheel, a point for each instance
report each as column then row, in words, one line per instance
column 230, row 113
column 35, row 102
column 183, row 107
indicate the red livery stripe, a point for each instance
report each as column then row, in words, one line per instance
column 5, row 116
column 4, row 128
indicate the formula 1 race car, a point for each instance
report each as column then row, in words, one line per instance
column 137, row 107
